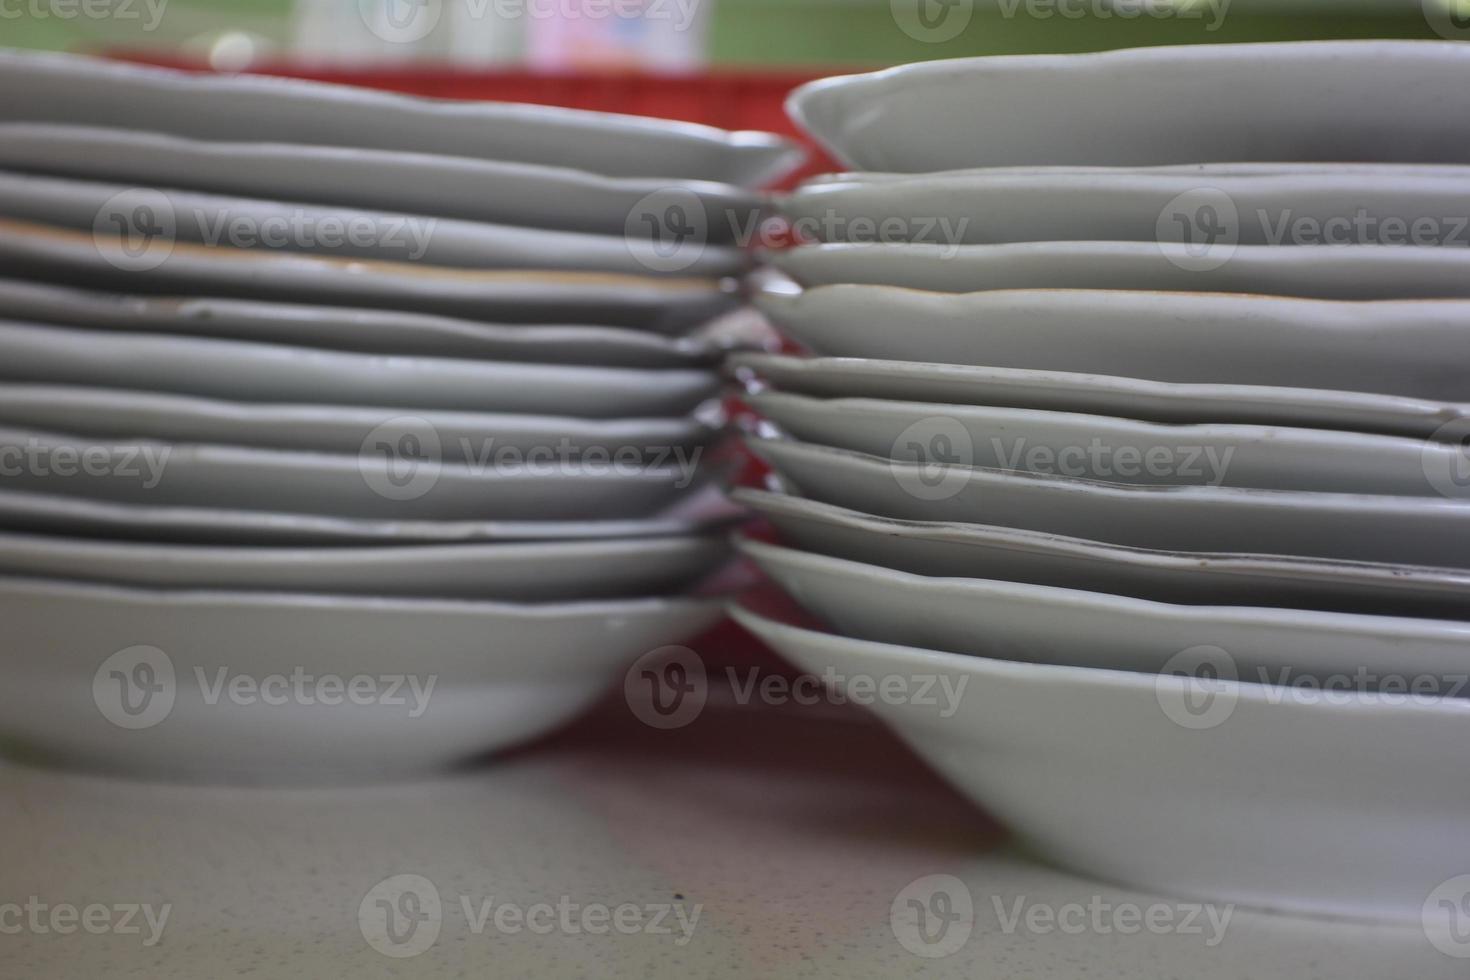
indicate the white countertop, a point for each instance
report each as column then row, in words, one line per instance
column 790, row 832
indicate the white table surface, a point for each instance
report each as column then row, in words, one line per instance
column 792, row 831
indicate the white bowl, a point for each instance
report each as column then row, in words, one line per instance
column 114, row 413
column 534, row 571
column 1059, row 391
column 531, row 194
column 1315, row 272
column 247, row 371
column 1287, row 803
column 982, row 617
column 1400, row 347
column 503, row 673
column 1300, row 101
column 348, row 329
column 66, row 256
column 953, row 549
column 252, row 108
column 1316, row 205
column 382, row 481
column 1098, row 447
column 1355, row 527
column 85, row 517
column 208, row 219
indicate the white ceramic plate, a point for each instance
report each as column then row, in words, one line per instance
column 1196, row 578
column 461, row 436
column 1312, row 101
column 986, row 206
column 1393, row 347
column 245, row 108
column 1287, row 803
column 272, row 225
column 343, row 328
column 527, row 194
column 103, row 519
column 1320, row 272
column 1353, row 527
column 1156, row 401
column 1114, row 450
column 524, row 572
column 395, row 476
column 1045, row 624
column 68, row 257
column 1273, row 168
column 275, row 372
column 503, row 673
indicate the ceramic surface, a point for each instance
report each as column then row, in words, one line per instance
column 1354, row 527
column 251, row 108
column 1310, row 271
column 1143, row 205
column 272, row 225
column 345, row 328
column 1056, row 391
column 462, row 436
column 533, row 571
column 1115, row 450
column 1306, row 804
column 393, row 477
column 1372, row 101
column 247, row 371
column 956, row 550
column 497, row 191
column 502, row 673
column 1404, row 347
column 67, row 257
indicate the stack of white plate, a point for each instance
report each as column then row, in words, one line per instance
column 382, row 448
column 1172, row 502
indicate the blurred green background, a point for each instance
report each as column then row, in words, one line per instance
column 727, row 33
